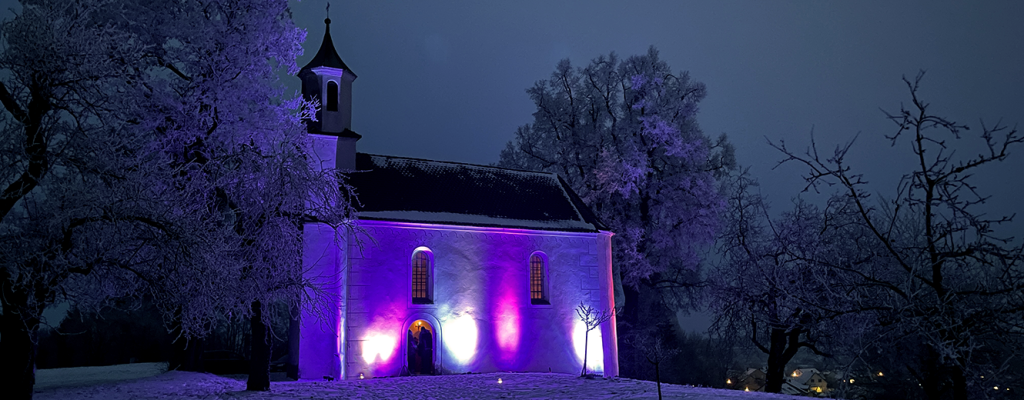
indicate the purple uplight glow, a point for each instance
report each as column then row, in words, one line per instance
column 480, row 311
column 460, row 338
column 593, row 345
column 378, row 345
column 509, row 323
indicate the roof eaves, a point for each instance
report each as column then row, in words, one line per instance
column 481, row 225
column 585, row 212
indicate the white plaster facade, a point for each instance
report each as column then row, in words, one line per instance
column 481, row 309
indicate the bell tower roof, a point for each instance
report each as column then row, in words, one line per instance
column 327, row 56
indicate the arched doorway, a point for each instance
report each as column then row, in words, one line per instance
column 421, row 347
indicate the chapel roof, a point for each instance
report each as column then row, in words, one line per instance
column 415, row 190
column 327, row 56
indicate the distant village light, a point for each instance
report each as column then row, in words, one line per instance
column 499, row 380
column 728, row 381
column 851, row 380
column 880, row 373
column 746, row 389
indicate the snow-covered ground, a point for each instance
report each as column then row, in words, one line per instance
column 148, row 381
column 88, row 376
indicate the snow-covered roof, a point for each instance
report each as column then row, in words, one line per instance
column 424, row 191
column 800, row 377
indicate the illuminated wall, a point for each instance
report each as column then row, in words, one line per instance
column 481, row 300
column 320, row 339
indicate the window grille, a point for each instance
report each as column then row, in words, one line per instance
column 420, row 278
column 537, row 277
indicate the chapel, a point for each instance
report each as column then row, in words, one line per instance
column 451, row 268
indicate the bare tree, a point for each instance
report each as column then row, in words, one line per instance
column 654, row 350
column 944, row 285
column 769, row 283
column 592, row 318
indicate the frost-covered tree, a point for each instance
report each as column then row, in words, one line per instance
column 770, row 286
column 945, row 287
column 148, row 151
column 624, row 135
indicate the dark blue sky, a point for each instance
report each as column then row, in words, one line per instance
column 446, row 80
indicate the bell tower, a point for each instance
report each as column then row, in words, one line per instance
column 317, row 336
column 327, row 79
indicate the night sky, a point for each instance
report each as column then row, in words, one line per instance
column 447, row 80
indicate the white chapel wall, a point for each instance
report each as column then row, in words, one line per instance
column 324, row 262
column 481, row 299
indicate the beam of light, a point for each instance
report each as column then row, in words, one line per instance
column 378, row 345
column 460, row 338
column 595, row 348
column 508, row 328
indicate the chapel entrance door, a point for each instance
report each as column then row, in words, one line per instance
column 421, row 340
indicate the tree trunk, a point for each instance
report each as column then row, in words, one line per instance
column 586, row 337
column 631, row 361
column 259, row 362
column 19, row 330
column 959, row 381
column 940, row 380
column 292, row 369
column 776, row 374
column 657, row 377
column 774, row 378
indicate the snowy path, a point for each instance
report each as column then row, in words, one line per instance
column 141, row 383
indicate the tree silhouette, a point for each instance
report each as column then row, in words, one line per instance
column 944, row 286
column 592, row 318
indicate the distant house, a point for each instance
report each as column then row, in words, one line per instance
column 752, row 379
column 801, row 382
column 453, row 268
column 806, row 381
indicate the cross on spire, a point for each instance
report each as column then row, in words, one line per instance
column 327, row 56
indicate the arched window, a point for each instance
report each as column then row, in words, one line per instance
column 421, row 287
column 538, row 280
column 332, row 96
